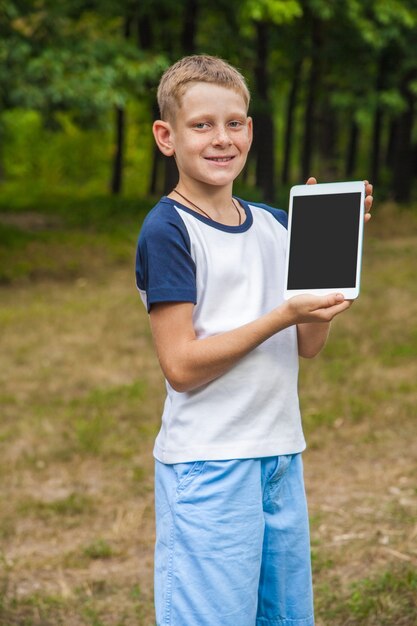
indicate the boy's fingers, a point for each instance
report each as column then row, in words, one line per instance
column 368, row 202
column 331, row 311
column 369, row 188
column 335, row 300
column 332, row 299
column 312, row 181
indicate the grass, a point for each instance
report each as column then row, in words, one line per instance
column 81, row 396
column 75, row 504
column 382, row 600
column 98, row 549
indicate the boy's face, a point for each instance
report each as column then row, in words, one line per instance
column 211, row 135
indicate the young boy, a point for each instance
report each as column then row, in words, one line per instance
column 232, row 538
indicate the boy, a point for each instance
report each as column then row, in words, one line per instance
column 232, row 539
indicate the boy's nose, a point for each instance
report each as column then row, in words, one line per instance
column 221, row 136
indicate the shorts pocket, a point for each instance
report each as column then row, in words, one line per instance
column 186, row 472
column 277, row 479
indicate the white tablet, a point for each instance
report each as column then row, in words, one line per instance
column 325, row 231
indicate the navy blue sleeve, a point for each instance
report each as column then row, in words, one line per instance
column 165, row 270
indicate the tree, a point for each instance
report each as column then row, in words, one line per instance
column 389, row 31
column 58, row 57
column 265, row 16
column 338, row 77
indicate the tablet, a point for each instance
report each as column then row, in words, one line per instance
column 325, row 231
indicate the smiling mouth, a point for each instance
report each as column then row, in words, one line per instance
column 220, row 159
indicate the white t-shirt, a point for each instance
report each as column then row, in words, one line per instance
column 233, row 275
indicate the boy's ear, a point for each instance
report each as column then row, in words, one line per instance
column 250, row 129
column 162, row 132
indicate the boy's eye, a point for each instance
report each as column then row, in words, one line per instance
column 236, row 124
column 201, row 125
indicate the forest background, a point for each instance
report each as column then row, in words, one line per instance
column 334, row 88
column 333, row 85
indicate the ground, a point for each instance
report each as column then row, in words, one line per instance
column 81, row 395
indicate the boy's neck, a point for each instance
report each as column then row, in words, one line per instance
column 214, row 203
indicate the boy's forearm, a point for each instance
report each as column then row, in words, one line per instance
column 312, row 338
column 199, row 361
column 188, row 362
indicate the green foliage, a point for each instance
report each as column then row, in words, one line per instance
column 73, row 157
column 81, row 63
column 275, row 11
column 75, row 62
column 89, row 76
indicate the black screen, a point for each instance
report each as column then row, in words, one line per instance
column 324, row 241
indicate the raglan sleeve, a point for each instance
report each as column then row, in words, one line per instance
column 165, row 269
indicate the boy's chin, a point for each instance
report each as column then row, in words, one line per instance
column 221, row 179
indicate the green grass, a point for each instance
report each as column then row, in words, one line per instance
column 64, row 237
column 99, row 549
column 61, row 254
column 84, row 607
column 74, row 505
column 384, row 600
column 81, row 396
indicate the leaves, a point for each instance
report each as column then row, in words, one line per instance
column 275, row 11
column 78, row 66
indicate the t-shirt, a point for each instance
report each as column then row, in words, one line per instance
column 233, row 275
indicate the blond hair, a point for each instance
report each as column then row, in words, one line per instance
column 192, row 69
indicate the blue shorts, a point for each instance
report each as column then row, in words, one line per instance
column 232, row 544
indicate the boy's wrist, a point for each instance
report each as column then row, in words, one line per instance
column 282, row 317
column 289, row 313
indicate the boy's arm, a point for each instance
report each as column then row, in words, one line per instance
column 188, row 362
column 312, row 337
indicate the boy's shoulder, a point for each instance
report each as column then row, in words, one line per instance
column 161, row 218
column 279, row 214
column 159, row 212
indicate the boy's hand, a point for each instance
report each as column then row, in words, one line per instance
column 368, row 196
column 305, row 309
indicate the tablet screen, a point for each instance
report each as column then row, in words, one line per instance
column 324, row 241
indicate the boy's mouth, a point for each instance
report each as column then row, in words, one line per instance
column 220, row 159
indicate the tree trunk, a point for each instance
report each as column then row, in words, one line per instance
column 392, row 136
column 144, row 32
column 403, row 163
column 145, row 41
column 171, row 174
column 289, row 123
column 265, row 156
column 310, row 109
column 188, row 47
column 383, row 67
column 376, row 146
column 2, row 137
column 352, row 149
column 327, row 140
column 189, row 27
column 117, row 177
column 264, row 124
column 120, row 126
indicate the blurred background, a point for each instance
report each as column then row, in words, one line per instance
column 334, row 86
column 334, row 89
